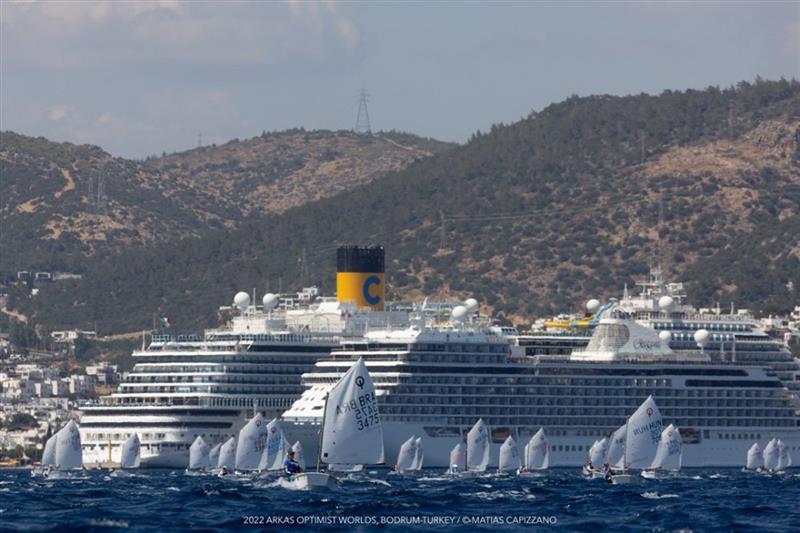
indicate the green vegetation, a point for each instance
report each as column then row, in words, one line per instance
column 538, row 216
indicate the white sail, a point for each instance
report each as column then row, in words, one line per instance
column 771, row 455
column 406, row 455
column 227, row 454
column 458, row 457
column 478, row 446
column 754, row 458
column 670, row 449
column 597, row 453
column 419, row 455
column 784, row 460
column 130, row 452
column 199, row 455
column 509, row 456
column 616, row 447
column 643, row 435
column 49, row 454
column 537, row 452
column 274, row 453
column 352, row 432
column 299, row 456
column 68, row 447
column 252, row 441
column 213, row 455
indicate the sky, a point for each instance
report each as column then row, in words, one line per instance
column 141, row 78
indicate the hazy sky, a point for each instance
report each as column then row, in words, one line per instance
column 138, row 78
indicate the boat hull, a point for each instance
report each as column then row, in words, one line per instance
column 311, row 481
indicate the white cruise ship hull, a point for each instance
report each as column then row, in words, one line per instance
column 567, row 451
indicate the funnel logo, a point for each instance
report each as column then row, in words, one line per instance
column 368, row 283
column 360, row 382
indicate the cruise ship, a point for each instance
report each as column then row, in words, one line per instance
column 435, row 381
column 185, row 386
column 735, row 337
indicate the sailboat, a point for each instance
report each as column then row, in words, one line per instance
column 213, row 456
column 597, row 455
column 771, row 456
column 68, row 455
column 755, row 459
column 642, row 435
column 784, row 457
column 536, row 455
column 227, row 457
column 199, row 459
column 406, row 456
column 130, row 456
column 419, row 455
column 509, row 456
column 478, row 447
column 251, row 445
column 458, row 459
column 616, row 448
column 48, row 458
column 274, row 453
column 299, row 456
column 351, row 430
column 669, row 455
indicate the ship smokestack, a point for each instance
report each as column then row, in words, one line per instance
column 360, row 276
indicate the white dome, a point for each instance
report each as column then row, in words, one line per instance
column 471, row 304
column 592, row 305
column 665, row 336
column 241, row 300
column 270, row 301
column 665, row 302
column 459, row 312
column 701, row 337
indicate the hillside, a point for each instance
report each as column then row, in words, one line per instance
column 63, row 202
column 531, row 218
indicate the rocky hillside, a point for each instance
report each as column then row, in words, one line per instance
column 531, row 218
column 62, row 202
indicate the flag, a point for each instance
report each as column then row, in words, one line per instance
column 165, row 321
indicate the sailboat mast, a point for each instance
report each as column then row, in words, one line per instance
column 625, row 446
column 322, row 431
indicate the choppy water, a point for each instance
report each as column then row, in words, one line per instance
column 699, row 500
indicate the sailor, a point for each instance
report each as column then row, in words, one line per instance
column 290, row 466
column 607, row 472
column 223, row 471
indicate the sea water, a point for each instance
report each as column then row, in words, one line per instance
column 148, row 500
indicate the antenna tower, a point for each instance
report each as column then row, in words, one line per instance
column 362, row 119
column 199, row 139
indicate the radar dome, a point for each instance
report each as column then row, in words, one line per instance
column 241, row 300
column 459, row 313
column 701, row 337
column 471, row 304
column 270, row 301
column 665, row 302
column 592, row 305
column 665, row 336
